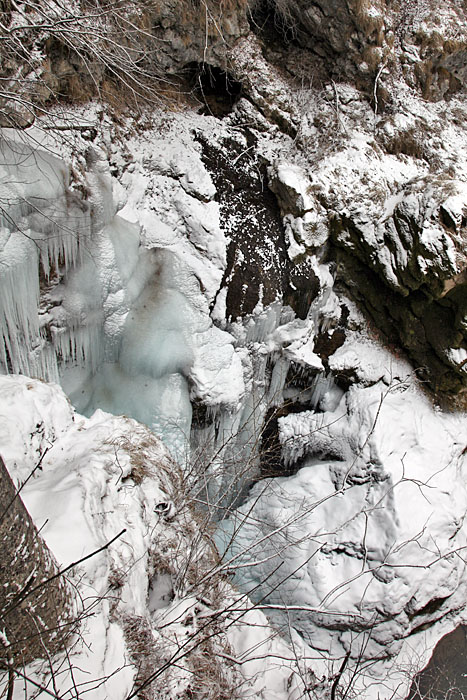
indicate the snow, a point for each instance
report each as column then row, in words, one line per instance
column 368, row 360
column 255, row 642
column 97, row 477
column 376, row 503
column 296, row 184
column 458, row 356
column 128, row 327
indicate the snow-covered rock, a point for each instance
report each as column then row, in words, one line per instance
column 361, row 550
column 153, row 607
column 194, row 275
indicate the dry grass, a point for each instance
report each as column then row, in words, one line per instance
column 147, row 458
column 408, row 143
column 145, row 653
column 207, row 663
column 372, row 26
column 211, row 673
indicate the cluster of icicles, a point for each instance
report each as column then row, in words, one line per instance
column 42, row 230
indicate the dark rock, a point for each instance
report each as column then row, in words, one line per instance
column 258, row 268
column 426, row 334
column 444, row 676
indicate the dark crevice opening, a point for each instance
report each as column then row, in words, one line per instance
column 216, row 89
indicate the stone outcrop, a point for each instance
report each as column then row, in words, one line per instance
column 409, row 270
column 388, row 194
column 357, row 40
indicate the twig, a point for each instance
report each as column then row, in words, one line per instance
column 375, row 92
column 339, row 676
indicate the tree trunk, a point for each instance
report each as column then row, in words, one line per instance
column 35, row 614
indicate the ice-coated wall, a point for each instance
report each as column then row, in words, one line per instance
column 42, row 227
column 112, row 294
column 121, row 325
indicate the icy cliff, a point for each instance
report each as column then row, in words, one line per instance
column 120, row 321
column 279, row 295
column 136, row 317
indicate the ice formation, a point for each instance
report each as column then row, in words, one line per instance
column 41, row 222
column 121, row 325
column 123, row 299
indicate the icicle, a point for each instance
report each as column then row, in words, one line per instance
column 47, row 367
column 278, row 379
column 64, row 232
column 81, row 345
column 325, row 394
column 42, row 362
column 19, row 323
column 259, row 327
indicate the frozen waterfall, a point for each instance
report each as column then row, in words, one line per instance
column 119, row 324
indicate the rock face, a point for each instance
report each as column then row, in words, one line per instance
column 256, row 271
column 409, row 270
column 353, row 40
column 187, row 31
column 152, row 47
column 357, row 40
column 396, row 224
